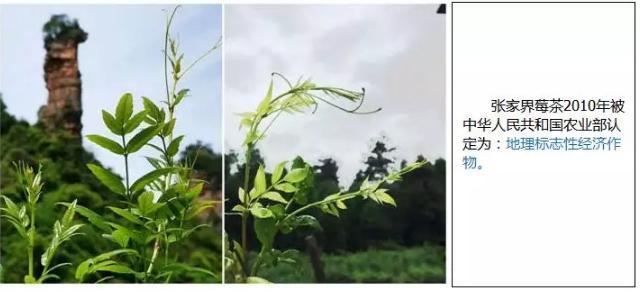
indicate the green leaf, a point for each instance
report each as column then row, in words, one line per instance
column 260, row 183
column 120, row 237
column 194, row 191
column 257, row 280
column 106, row 143
column 306, row 220
column 116, row 268
column 241, row 194
column 69, row 214
column 382, row 195
column 124, row 108
column 296, row 175
column 135, row 235
column 238, row 208
column 174, row 146
column 141, row 138
column 274, row 196
column 109, row 179
column 151, row 108
column 111, row 123
column 93, row 217
column 277, row 173
column 188, row 269
column 97, row 263
column 168, row 127
column 286, row 187
column 180, row 96
column 135, row 121
column 16, row 216
column 266, row 230
column 278, row 210
column 263, row 107
column 261, row 212
column 148, row 178
column 124, row 213
column 200, row 206
column 146, row 204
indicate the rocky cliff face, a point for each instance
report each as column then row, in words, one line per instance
column 63, row 110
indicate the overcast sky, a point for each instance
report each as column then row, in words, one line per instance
column 396, row 52
column 122, row 54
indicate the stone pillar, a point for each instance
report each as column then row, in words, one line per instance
column 63, row 111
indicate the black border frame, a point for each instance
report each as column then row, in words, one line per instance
column 634, row 143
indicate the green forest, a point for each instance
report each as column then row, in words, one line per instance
column 366, row 243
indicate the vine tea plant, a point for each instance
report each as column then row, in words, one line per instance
column 280, row 204
column 23, row 219
column 154, row 210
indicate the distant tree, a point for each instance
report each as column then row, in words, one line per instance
column 205, row 161
column 61, row 28
column 377, row 163
column 419, row 217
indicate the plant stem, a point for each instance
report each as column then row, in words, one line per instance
column 156, row 249
column 166, row 44
column 247, row 172
column 32, row 233
column 126, row 169
column 216, row 46
column 321, row 202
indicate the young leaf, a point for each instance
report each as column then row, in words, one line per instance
column 124, row 213
column 124, row 109
column 382, row 195
column 241, row 194
column 274, row 196
column 261, row 212
column 180, row 96
column 238, row 208
column 260, row 183
column 120, row 237
column 151, row 108
column 93, row 217
column 141, row 138
column 194, row 191
column 198, row 207
column 16, row 216
column 168, row 127
column 93, row 264
column 263, row 107
column 135, row 121
column 106, row 143
column 286, row 187
column 111, row 123
column 174, row 146
column 107, row 178
column 296, row 175
column 148, row 178
column 133, row 234
column 146, row 204
column 277, row 173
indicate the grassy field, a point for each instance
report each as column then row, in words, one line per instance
column 425, row 264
